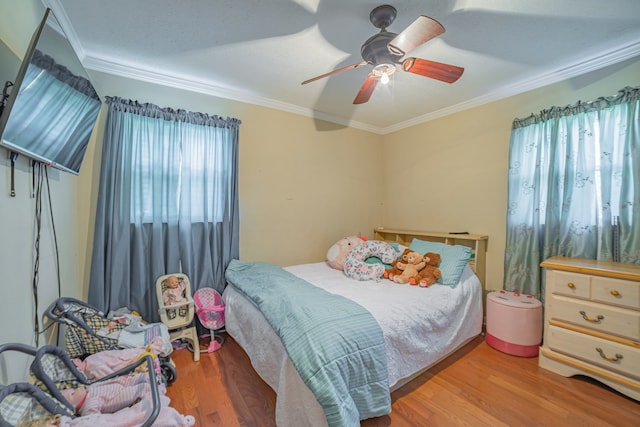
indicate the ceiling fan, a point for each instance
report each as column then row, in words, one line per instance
column 385, row 49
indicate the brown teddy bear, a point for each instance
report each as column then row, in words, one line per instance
column 389, row 273
column 430, row 273
column 410, row 269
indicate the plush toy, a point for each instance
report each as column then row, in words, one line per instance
column 410, row 268
column 389, row 273
column 430, row 273
column 356, row 267
column 337, row 254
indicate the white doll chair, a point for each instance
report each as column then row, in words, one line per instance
column 179, row 316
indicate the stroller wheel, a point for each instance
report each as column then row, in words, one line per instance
column 169, row 373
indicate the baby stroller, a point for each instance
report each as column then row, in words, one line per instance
column 53, row 371
column 82, row 337
column 210, row 311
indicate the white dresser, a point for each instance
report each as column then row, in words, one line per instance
column 592, row 321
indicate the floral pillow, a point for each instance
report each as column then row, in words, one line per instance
column 355, row 266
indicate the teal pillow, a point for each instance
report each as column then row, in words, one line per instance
column 453, row 259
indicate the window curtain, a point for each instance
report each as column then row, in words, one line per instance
column 573, row 187
column 167, row 203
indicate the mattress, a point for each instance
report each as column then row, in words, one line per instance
column 421, row 326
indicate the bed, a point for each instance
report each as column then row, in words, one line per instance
column 420, row 327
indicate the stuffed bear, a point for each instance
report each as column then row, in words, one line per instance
column 410, row 268
column 389, row 273
column 430, row 273
column 337, row 253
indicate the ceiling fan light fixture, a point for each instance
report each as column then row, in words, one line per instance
column 384, row 52
column 384, row 71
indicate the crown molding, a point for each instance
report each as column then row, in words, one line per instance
column 612, row 57
column 594, row 63
column 134, row 72
column 65, row 24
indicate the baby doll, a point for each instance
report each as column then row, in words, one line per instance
column 103, row 363
column 110, row 330
column 174, row 294
column 120, row 401
column 109, row 396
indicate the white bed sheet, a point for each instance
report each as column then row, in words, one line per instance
column 420, row 328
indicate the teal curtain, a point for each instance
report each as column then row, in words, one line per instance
column 167, row 203
column 574, row 172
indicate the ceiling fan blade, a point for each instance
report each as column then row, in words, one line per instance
column 420, row 31
column 435, row 70
column 339, row 70
column 366, row 89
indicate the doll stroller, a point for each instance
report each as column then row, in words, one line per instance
column 83, row 322
column 53, row 371
column 210, row 311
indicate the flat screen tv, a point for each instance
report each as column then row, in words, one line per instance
column 52, row 107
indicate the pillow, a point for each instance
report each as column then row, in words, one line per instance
column 355, row 266
column 375, row 260
column 453, row 259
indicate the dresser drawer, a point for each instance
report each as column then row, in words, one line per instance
column 607, row 354
column 570, row 284
column 624, row 293
column 612, row 320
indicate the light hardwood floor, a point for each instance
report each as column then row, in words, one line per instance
column 477, row 386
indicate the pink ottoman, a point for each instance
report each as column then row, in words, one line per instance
column 514, row 323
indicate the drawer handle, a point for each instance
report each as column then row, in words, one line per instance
column 615, row 358
column 596, row 319
column 615, row 293
column 571, row 285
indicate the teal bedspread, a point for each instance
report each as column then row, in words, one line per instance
column 335, row 344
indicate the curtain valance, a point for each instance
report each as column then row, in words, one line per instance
column 625, row 95
column 166, row 113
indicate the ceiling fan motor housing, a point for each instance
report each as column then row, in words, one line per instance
column 375, row 50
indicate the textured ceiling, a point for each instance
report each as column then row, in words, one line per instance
column 260, row 51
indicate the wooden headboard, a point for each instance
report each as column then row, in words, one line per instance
column 477, row 243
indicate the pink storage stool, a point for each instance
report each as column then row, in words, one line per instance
column 514, row 323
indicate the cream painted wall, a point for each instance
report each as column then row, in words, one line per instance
column 69, row 199
column 302, row 189
column 462, row 171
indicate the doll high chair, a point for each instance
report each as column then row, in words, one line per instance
column 210, row 311
column 178, row 316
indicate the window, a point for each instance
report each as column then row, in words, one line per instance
column 167, row 203
column 572, row 176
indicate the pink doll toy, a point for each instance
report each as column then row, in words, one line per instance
column 120, row 401
column 110, row 330
column 103, row 363
column 109, row 396
column 174, row 294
